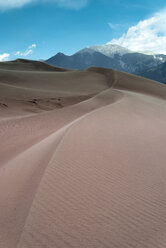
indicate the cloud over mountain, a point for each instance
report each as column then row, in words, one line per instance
column 147, row 35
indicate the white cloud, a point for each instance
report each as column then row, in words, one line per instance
column 7, row 4
column 32, row 46
column 74, row 4
column 24, row 54
column 4, row 56
column 27, row 52
column 147, row 35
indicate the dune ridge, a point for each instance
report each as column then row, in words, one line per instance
column 90, row 173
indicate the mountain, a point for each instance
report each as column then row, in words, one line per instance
column 157, row 73
column 83, row 60
column 108, row 56
column 111, row 49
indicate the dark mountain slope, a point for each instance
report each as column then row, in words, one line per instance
column 157, row 73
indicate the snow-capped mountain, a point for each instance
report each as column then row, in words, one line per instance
column 108, row 56
column 110, row 50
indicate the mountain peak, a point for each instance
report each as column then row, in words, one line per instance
column 110, row 49
column 60, row 54
column 86, row 50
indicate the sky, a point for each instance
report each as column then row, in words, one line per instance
column 38, row 29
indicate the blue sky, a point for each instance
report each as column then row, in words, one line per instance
column 38, row 29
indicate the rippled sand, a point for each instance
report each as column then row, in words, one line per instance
column 82, row 158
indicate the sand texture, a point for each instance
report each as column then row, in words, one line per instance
column 82, row 158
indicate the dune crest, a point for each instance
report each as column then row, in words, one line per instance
column 82, row 159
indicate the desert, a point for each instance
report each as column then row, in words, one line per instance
column 82, row 158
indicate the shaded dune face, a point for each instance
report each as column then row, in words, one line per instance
column 29, row 65
column 34, row 89
column 88, row 173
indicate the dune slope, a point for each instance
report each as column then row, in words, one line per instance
column 88, row 171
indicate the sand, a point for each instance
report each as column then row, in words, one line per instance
column 82, row 158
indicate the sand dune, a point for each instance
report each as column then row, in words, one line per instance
column 29, row 65
column 82, row 159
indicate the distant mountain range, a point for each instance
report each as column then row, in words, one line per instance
column 157, row 73
column 113, row 56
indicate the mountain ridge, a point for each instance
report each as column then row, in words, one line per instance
column 117, row 58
